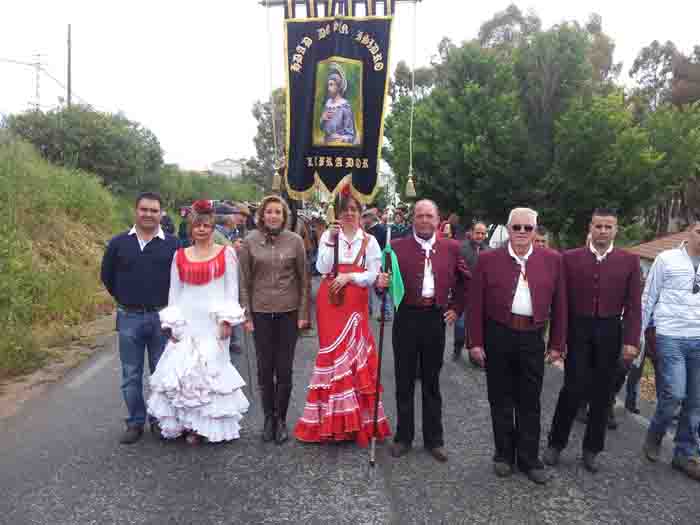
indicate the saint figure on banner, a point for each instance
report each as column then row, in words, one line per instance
column 337, row 119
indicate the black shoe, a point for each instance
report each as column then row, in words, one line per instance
column 281, row 435
column 399, row 449
column 582, row 414
column 590, row 461
column 632, row 408
column 551, row 456
column 131, row 435
column 268, row 429
column 538, row 476
column 612, row 420
column 502, row 469
column 156, row 430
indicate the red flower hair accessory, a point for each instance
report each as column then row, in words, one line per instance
column 346, row 191
column 203, row 206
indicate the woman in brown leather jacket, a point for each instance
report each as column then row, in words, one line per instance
column 273, row 291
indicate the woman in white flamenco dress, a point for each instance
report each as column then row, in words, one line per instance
column 195, row 390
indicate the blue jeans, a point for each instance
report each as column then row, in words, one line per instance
column 678, row 383
column 138, row 332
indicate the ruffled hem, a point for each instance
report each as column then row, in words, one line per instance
column 341, row 428
column 343, row 391
column 217, row 421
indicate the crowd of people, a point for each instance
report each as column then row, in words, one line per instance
column 186, row 303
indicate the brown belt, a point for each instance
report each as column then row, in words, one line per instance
column 426, row 301
column 522, row 323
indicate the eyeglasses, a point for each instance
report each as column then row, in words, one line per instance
column 519, row 227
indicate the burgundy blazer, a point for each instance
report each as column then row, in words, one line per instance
column 606, row 289
column 449, row 269
column 493, row 286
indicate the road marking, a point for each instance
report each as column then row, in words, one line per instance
column 90, row 372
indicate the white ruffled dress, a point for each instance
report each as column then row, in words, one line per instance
column 195, row 387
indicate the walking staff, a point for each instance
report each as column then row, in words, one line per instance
column 383, row 281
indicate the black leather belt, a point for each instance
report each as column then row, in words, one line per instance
column 140, row 308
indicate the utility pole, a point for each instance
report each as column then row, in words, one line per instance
column 37, row 75
column 68, row 76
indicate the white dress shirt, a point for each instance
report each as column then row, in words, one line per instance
column 143, row 243
column 428, row 276
column 600, row 258
column 522, row 301
column 347, row 252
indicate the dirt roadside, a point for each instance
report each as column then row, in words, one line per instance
column 88, row 339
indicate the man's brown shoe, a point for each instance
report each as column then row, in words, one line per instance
column 439, row 453
column 688, row 464
column 399, row 449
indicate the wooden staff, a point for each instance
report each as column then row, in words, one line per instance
column 382, row 319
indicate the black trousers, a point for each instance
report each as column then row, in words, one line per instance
column 418, row 337
column 514, row 372
column 592, row 371
column 275, row 340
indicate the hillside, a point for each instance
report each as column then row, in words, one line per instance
column 53, row 225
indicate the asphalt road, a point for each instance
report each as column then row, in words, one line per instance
column 60, row 463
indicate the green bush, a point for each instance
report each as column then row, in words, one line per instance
column 53, row 224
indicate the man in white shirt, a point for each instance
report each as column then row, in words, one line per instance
column 672, row 297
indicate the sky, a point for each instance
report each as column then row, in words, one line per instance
column 191, row 71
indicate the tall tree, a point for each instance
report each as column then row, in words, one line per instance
column 260, row 168
column 552, row 69
column 652, row 70
column 509, row 29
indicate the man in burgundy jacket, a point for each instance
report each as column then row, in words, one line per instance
column 515, row 289
column 433, row 273
column 604, row 293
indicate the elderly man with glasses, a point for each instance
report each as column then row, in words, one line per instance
column 515, row 289
column 603, row 287
column 672, row 297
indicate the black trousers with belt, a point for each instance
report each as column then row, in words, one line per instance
column 418, row 336
column 514, row 372
column 591, row 371
column 275, row 340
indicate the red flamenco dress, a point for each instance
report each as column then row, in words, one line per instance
column 342, row 391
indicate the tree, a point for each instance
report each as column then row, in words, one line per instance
column 469, row 139
column 260, row 168
column 123, row 153
column 552, row 69
column 652, row 71
column 509, row 29
column 603, row 159
column 675, row 133
column 600, row 54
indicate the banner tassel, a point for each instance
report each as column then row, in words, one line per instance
column 410, row 186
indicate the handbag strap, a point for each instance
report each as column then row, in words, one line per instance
column 363, row 249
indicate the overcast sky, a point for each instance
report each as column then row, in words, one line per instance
column 191, row 74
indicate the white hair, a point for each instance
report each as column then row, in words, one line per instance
column 529, row 211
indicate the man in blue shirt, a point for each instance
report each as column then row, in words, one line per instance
column 136, row 272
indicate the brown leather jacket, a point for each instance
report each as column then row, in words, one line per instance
column 273, row 274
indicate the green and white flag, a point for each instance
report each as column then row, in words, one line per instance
column 396, row 288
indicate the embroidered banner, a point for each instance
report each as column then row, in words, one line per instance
column 337, row 79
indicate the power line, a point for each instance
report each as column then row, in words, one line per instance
column 19, row 62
